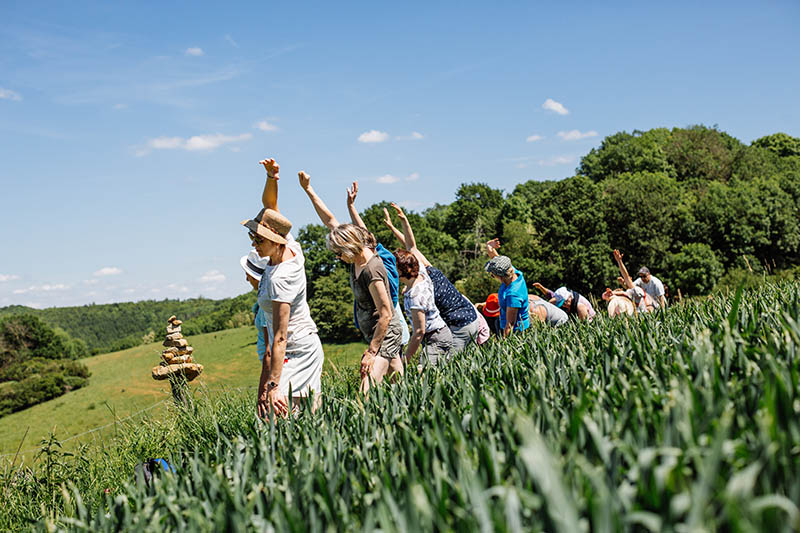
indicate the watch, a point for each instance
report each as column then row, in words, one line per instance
column 271, row 385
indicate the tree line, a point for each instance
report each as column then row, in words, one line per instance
column 698, row 207
column 37, row 363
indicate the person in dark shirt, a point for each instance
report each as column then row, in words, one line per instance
column 457, row 312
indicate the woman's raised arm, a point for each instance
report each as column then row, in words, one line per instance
column 269, row 198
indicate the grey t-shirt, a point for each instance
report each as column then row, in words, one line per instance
column 555, row 316
column 654, row 288
column 366, row 310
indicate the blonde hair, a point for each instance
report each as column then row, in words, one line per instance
column 348, row 239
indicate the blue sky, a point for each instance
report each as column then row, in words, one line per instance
column 130, row 132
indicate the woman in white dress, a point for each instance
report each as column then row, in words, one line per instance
column 293, row 363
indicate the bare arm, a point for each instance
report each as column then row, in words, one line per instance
column 269, row 198
column 280, row 327
column 418, row 321
column 662, row 301
column 543, row 289
column 627, row 282
column 262, row 401
column 408, row 237
column 382, row 301
column 511, row 319
column 322, row 210
column 352, row 192
column 387, row 220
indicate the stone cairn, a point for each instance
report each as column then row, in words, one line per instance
column 177, row 365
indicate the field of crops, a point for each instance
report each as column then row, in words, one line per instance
column 683, row 421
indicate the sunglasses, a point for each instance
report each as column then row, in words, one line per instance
column 256, row 239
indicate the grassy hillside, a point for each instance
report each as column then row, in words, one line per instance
column 109, row 327
column 121, row 385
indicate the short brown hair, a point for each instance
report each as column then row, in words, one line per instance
column 407, row 264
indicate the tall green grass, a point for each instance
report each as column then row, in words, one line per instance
column 686, row 420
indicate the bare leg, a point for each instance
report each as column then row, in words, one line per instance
column 379, row 368
column 395, row 368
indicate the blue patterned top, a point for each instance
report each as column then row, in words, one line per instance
column 456, row 310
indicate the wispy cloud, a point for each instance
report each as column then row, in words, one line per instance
column 195, row 143
column 389, row 178
column 8, row 277
column 556, row 160
column 108, row 271
column 555, row 107
column 263, row 125
column 194, row 51
column 8, row 94
column 231, row 41
column 415, row 136
column 575, row 135
column 373, row 136
column 533, row 138
column 212, row 276
column 43, row 288
column 120, row 106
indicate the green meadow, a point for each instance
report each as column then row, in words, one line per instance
column 121, row 386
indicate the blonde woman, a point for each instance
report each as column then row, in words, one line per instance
column 379, row 323
column 293, row 363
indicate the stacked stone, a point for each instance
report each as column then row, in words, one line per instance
column 177, row 355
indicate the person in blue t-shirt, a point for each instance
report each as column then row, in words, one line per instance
column 329, row 220
column 513, row 291
column 253, row 266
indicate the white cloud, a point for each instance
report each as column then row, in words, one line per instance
column 8, row 94
column 555, row 107
column 197, row 142
column 263, row 125
column 533, row 138
column 209, row 142
column 174, row 287
column 575, row 135
column 373, row 136
column 194, row 51
column 415, row 136
column 388, row 178
column 212, row 276
column 556, row 160
column 43, row 288
column 108, row 271
column 231, row 41
column 8, row 277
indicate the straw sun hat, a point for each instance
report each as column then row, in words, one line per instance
column 269, row 224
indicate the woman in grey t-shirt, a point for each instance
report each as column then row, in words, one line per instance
column 378, row 320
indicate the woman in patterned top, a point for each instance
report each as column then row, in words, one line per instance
column 418, row 301
column 457, row 312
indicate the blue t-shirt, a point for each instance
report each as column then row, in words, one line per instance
column 456, row 310
column 515, row 295
column 260, row 322
column 390, row 264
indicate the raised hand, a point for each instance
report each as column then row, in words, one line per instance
column 494, row 243
column 271, row 167
column 539, row 286
column 399, row 211
column 352, row 192
column 305, row 180
column 617, row 256
column 620, row 280
column 387, row 219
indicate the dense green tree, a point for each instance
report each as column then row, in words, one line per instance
column 332, row 307
column 646, row 215
column 699, row 153
column 628, row 153
column 694, row 270
column 780, row 143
